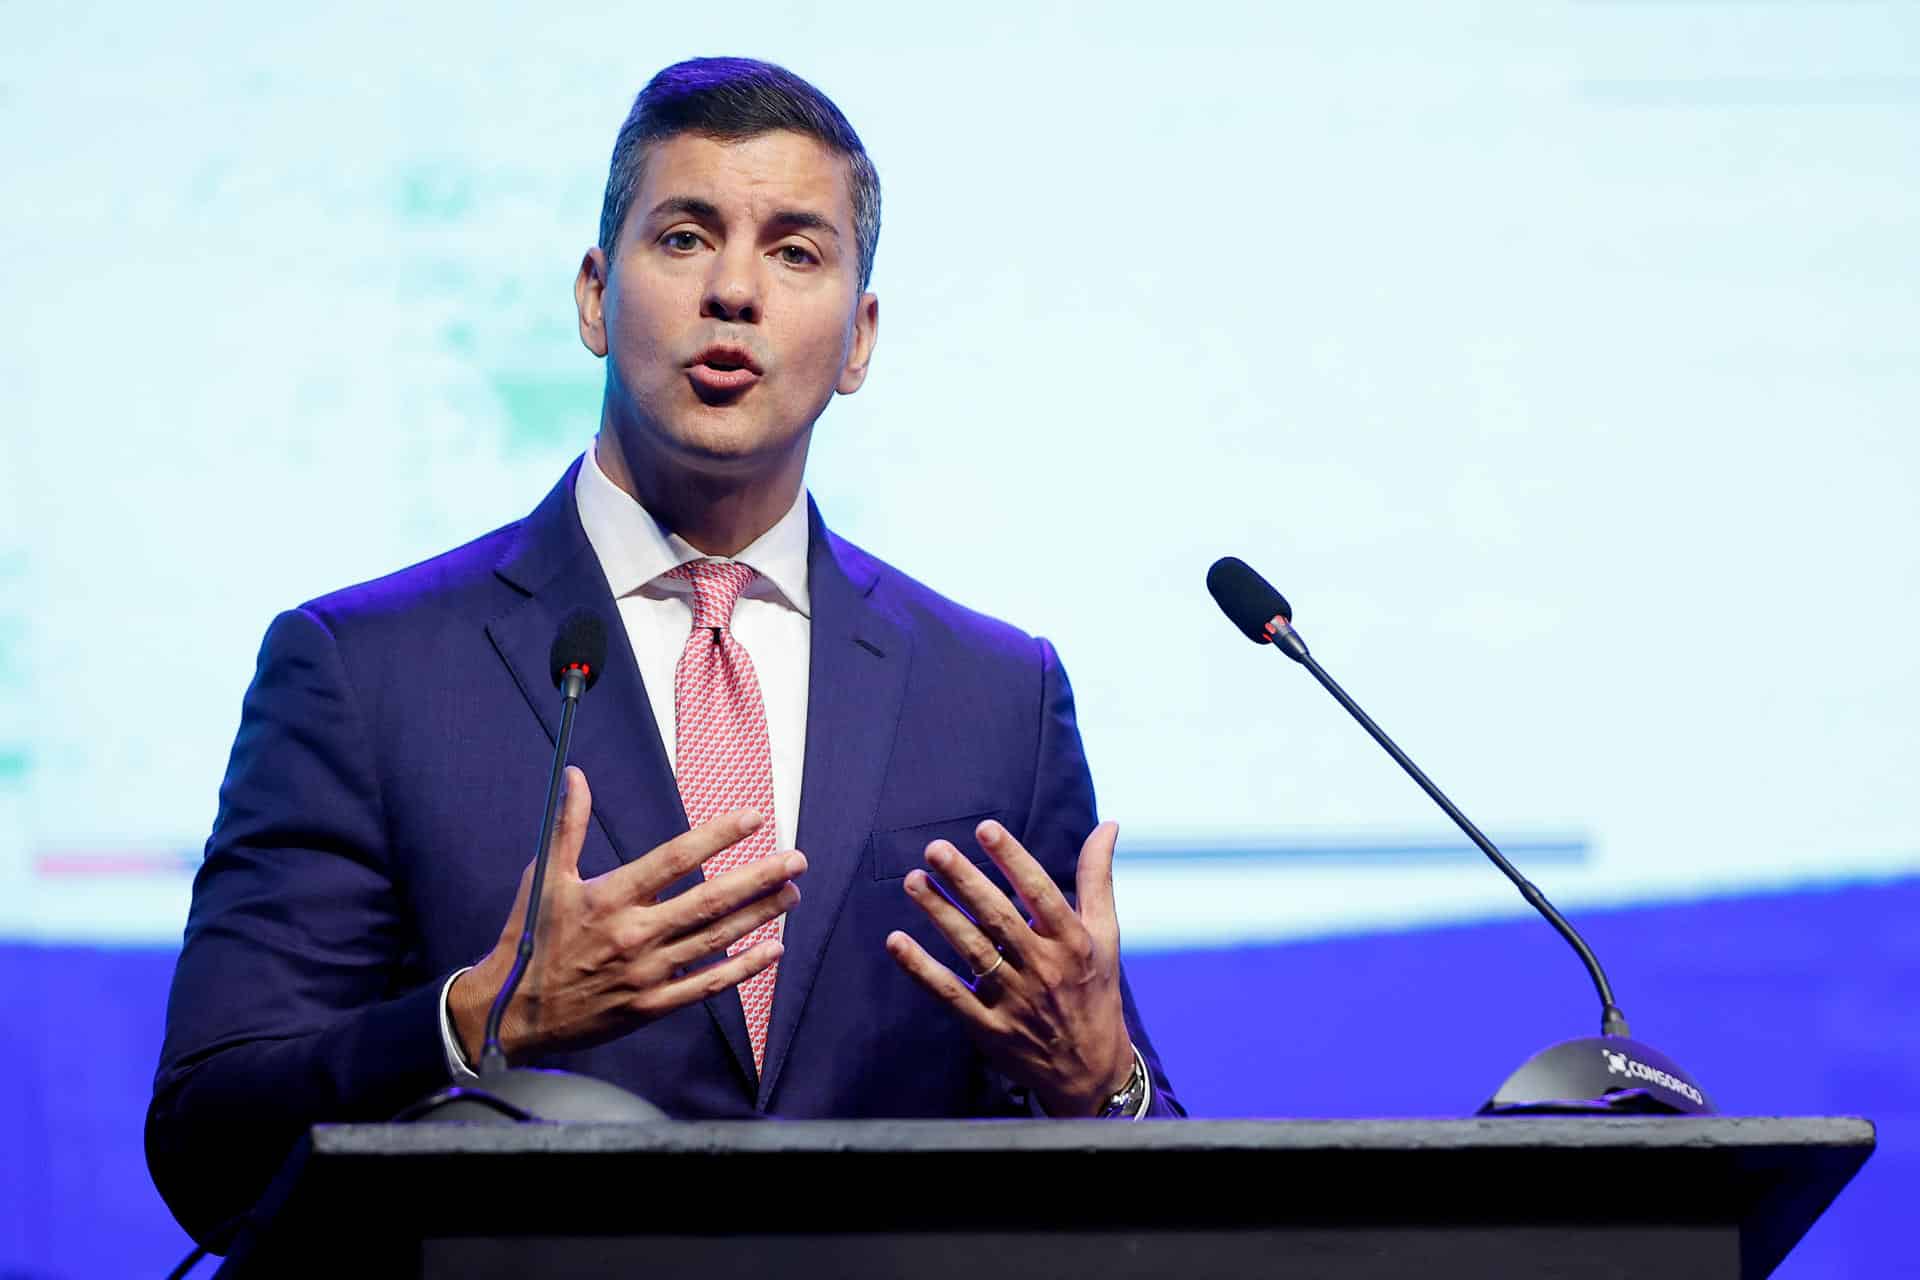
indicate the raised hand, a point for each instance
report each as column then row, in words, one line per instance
column 611, row 956
column 1044, row 1004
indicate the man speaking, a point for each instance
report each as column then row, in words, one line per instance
column 829, row 849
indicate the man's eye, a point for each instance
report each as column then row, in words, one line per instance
column 796, row 255
column 683, row 241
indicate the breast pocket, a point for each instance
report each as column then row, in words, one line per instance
column 898, row 850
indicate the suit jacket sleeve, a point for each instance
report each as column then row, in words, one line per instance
column 295, row 999
column 1061, row 815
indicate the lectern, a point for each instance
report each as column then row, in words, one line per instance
column 1640, row 1197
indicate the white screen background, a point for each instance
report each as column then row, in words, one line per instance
column 1558, row 362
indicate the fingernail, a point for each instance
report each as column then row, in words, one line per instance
column 988, row 831
column 938, row 855
column 790, row 895
column 795, row 863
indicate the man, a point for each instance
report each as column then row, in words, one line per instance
column 942, row 940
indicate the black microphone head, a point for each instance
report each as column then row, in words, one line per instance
column 1248, row 600
column 581, row 642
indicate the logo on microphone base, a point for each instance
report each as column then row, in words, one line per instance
column 1619, row 1064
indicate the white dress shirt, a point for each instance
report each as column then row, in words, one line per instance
column 772, row 622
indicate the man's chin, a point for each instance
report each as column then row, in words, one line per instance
column 723, row 440
column 736, row 439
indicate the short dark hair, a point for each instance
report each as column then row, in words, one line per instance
column 731, row 99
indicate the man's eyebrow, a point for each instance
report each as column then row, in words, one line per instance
column 804, row 220
column 688, row 206
column 706, row 211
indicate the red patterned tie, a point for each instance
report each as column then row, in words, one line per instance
column 722, row 758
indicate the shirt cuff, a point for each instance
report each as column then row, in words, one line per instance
column 457, row 1069
column 1146, row 1095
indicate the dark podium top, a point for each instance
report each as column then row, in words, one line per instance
column 1549, row 1196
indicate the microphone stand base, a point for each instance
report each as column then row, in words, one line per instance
column 1599, row 1075
column 533, row 1095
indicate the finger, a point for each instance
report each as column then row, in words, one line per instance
column 713, row 901
column 1052, row 914
column 981, row 899
column 712, row 980
column 975, row 947
column 1093, row 881
column 939, row 980
column 642, row 879
column 517, row 914
column 570, row 827
column 1049, row 908
column 723, row 933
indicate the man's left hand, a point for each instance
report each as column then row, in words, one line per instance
column 1044, row 1004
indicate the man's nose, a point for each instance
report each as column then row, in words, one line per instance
column 733, row 288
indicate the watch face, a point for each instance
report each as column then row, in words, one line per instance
column 1127, row 1101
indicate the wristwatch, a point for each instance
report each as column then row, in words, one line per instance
column 1125, row 1104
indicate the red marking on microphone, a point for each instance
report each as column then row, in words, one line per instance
column 583, row 668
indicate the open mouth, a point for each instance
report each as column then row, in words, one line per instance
column 721, row 372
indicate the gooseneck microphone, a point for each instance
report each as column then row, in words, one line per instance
column 1263, row 614
column 575, row 661
column 579, row 653
column 1610, row 1073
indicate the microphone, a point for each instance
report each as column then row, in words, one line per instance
column 1607, row 1073
column 579, row 648
column 579, row 652
column 575, row 661
column 1251, row 602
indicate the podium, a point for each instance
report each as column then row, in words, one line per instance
column 1582, row 1197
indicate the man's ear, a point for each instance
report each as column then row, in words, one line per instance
column 590, row 298
column 866, row 331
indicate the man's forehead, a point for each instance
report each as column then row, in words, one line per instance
column 780, row 168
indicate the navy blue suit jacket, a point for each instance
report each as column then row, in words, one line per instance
column 385, row 787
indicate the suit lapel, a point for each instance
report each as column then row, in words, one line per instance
column 616, row 742
column 856, row 678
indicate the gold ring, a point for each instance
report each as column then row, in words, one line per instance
column 987, row 972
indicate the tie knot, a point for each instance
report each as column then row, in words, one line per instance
column 717, row 584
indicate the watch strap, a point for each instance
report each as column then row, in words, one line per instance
column 1131, row 1098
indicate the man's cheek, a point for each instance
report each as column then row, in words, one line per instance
column 642, row 360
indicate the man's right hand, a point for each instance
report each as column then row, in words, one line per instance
column 610, row 955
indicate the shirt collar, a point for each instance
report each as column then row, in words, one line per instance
column 634, row 550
